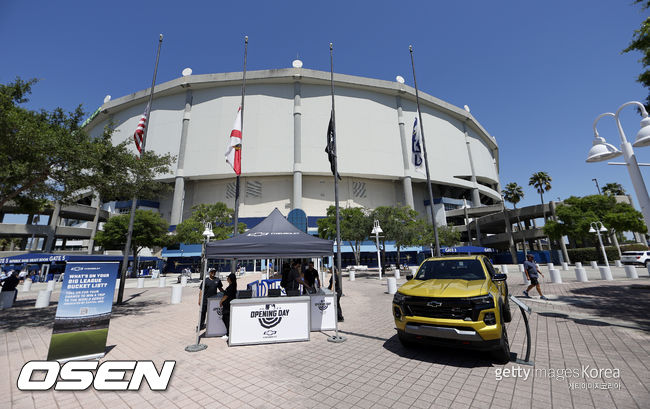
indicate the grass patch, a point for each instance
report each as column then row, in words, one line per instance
column 79, row 343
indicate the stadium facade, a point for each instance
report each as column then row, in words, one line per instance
column 284, row 164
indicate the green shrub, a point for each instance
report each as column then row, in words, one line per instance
column 587, row 254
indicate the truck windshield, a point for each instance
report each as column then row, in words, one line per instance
column 451, row 269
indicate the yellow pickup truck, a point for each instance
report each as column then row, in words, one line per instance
column 455, row 301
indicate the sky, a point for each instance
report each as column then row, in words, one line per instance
column 534, row 74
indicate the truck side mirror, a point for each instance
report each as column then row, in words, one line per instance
column 409, row 277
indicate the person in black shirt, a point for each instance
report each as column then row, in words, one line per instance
column 311, row 275
column 10, row 283
column 339, row 291
column 230, row 294
column 212, row 284
column 294, row 278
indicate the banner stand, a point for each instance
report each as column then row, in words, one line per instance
column 83, row 313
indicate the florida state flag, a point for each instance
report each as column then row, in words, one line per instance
column 233, row 152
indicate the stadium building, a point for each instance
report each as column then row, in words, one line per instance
column 284, row 164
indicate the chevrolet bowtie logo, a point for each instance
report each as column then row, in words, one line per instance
column 434, row 304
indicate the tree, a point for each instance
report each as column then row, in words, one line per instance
column 542, row 183
column 613, row 189
column 48, row 155
column 513, row 193
column 576, row 213
column 641, row 42
column 447, row 235
column 190, row 231
column 355, row 227
column 399, row 224
column 149, row 230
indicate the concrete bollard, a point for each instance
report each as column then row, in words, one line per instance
column 594, row 265
column 606, row 273
column 581, row 275
column 565, row 266
column 43, row 299
column 27, row 284
column 397, row 275
column 521, row 268
column 177, row 293
column 352, row 275
column 140, row 282
column 7, row 299
column 555, row 276
column 578, row 264
column 392, row 285
column 162, row 281
column 526, row 280
column 618, row 263
column 50, row 285
column 630, row 272
column 184, row 280
column 414, row 270
column 504, row 269
column 550, row 266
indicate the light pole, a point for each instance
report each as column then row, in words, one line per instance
column 208, row 234
column 376, row 230
column 602, row 151
column 196, row 347
column 597, row 187
column 595, row 229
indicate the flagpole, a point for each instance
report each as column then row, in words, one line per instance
column 129, row 235
column 426, row 160
column 336, row 337
column 243, row 94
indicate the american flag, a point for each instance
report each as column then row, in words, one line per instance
column 138, row 136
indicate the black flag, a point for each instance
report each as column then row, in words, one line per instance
column 331, row 137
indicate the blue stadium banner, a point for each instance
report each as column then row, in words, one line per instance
column 84, row 311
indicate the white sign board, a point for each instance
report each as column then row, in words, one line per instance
column 323, row 312
column 269, row 320
column 215, row 326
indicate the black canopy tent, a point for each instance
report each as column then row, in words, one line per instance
column 273, row 237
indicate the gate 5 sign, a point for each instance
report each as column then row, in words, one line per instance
column 269, row 320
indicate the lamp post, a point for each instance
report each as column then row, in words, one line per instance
column 376, row 230
column 207, row 233
column 593, row 228
column 602, row 151
column 597, row 187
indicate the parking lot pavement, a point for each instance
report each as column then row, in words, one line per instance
column 584, row 330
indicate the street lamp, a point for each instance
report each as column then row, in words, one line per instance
column 602, row 151
column 376, row 230
column 595, row 229
column 208, row 234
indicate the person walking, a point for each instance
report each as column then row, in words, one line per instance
column 532, row 271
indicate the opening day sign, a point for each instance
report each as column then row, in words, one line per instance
column 84, row 311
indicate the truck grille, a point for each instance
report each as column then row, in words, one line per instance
column 450, row 308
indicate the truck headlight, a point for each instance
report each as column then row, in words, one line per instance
column 399, row 298
column 483, row 302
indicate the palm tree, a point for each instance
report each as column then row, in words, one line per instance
column 513, row 193
column 542, row 183
column 613, row 189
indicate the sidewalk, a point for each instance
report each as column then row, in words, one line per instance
column 597, row 324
